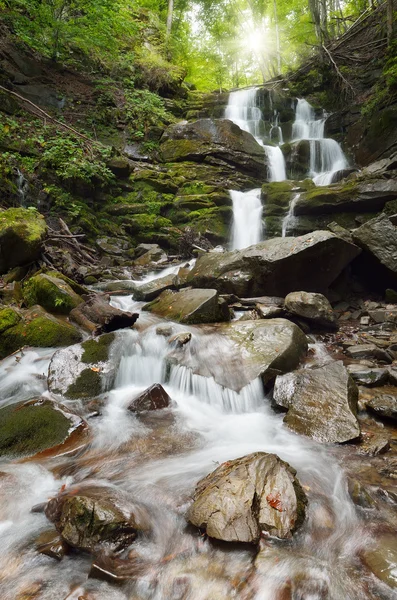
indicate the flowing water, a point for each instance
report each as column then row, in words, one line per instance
column 326, row 155
column 289, row 219
column 247, row 218
column 158, row 463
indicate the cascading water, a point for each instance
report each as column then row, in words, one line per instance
column 247, row 218
column 326, row 155
column 289, row 217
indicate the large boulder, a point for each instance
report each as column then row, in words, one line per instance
column 50, row 292
column 34, row 327
column 321, row 402
column 84, row 370
column 276, row 267
column 39, row 426
column 378, row 238
column 190, row 306
column 249, row 349
column 313, row 307
column 246, row 496
column 93, row 518
column 22, row 232
column 213, row 140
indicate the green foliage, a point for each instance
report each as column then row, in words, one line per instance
column 144, row 109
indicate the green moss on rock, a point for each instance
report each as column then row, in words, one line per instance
column 22, row 232
column 97, row 350
column 87, row 385
column 8, row 318
column 53, row 293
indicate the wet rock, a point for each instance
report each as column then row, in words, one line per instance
column 154, row 398
column 276, row 267
column 211, row 140
column 22, row 233
column 384, row 405
column 92, row 517
column 368, row 376
column 384, row 315
column 164, row 330
column 190, row 306
column 379, row 240
column 382, row 559
column 269, row 312
column 35, row 328
column 313, row 307
column 246, row 496
column 84, row 370
column 147, row 253
column 368, row 351
column 180, row 339
column 373, row 444
column 358, row 493
column 113, row 246
column 321, row 402
column 50, row 544
column 52, row 293
column 152, row 289
column 97, row 316
column 39, row 426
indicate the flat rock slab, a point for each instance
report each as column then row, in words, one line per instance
column 368, row 376
column 246, row 496
column 149, row 291
column 321, row 402
column 190, row 306
column 276, row 267
column 245, row 351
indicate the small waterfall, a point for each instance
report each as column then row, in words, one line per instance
column 289, row 217
column 242, row 110
column 326, row 155
column 247, row 218
column 276, row 163
column 22, row 188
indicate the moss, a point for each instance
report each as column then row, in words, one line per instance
column 76, row 287
column 21, row 234
column 146, row 222
column 87, row 385
column 54, row 294
column 42, row 332
column 8, row 318
column 97, row 350
column 31, row 427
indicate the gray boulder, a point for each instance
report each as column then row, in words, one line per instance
column 313, row 307
column 243, row 497
column 190, row 306
column 321, row 403
column 276, row 267
column 384, row 405
column 378, row 238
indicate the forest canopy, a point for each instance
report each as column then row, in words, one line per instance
column 215, row 44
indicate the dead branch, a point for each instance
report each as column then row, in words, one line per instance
column 348, row 85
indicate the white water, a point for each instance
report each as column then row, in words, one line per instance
column 326, row 155
column 247, row 218
column 276, row 163
column 289, row 218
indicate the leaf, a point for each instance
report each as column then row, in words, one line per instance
column 275, row 501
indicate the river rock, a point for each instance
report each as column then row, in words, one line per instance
column 145, row 254
column 384, row 405
column 211, row 140
column 154, row 398
column 246, row 496
column 244, row 351
column 39, row 426
column 370, row 351
column 50, row 292
column 313, row 307
column 92, row 518
column 22, row 233
column 149, row 291
column 97, row 316
column 321, row 402
column 368, row 376
column 378, row 237
column 84, row 370
column 276, row 267
column 190, row 306
column 382, row 559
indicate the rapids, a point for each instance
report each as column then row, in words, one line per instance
column 157, row 460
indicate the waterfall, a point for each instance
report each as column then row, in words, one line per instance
column 289, row 217
column 276, row 163
column 22, row 188
column 247, row 218
column 326, row 155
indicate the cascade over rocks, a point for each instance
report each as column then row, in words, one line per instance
column 216, row 142
column 95, row 517
column 313, row 307
column 321, row 402
column 250, row 349
column 190, row 306
column 22, row 233
column 276, row 267
column 246, row 496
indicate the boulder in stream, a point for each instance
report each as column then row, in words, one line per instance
column 246, row 496
column 95, row 517
column 313, row 307
column 84, row 370
column 52, row 293
column 22, row 232
column 154, row 398
column 39, row 426
column 276, row 267
column 383, row 405
column 321, row 402
column 190, row 306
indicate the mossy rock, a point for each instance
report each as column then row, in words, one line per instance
column 22, row 232
column 8, row 318
column 190, row 306
column 97, row 349
column 54, row 294
column 76, row 287
column 27, row 428
column 87, row 385
column 44, row 331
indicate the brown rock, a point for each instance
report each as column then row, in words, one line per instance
column 154, row 398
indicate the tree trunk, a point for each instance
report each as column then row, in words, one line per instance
column 170, row 15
